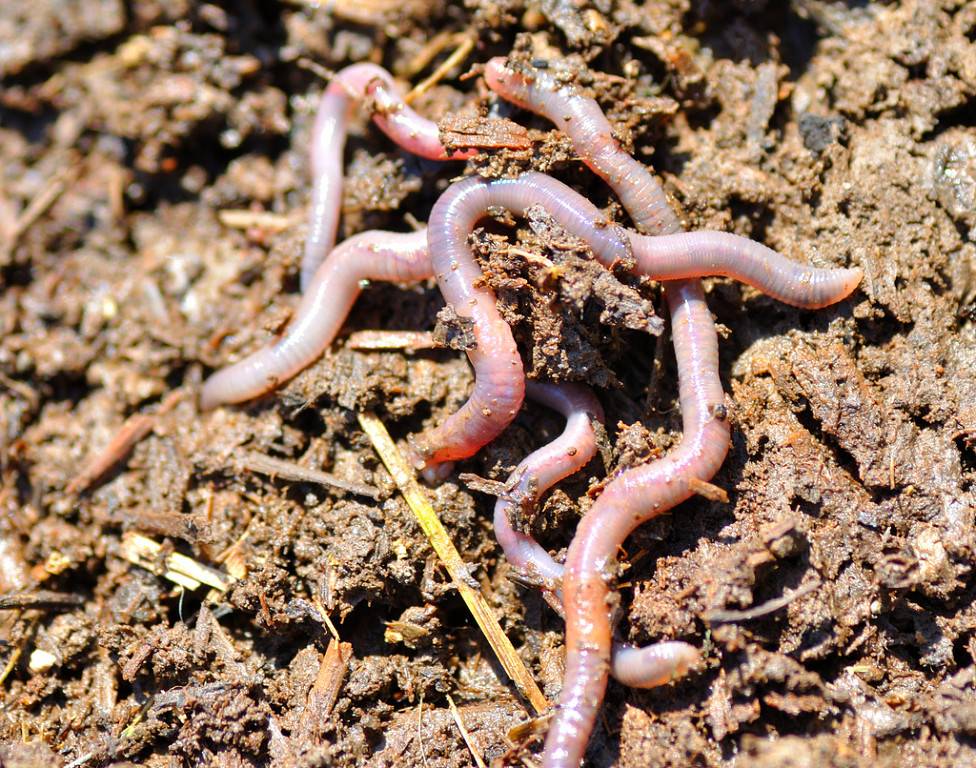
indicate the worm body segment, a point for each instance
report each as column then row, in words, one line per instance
column 321, row 312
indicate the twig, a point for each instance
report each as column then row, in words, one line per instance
column 409, row 341
column 135, row 428
column 272, row 467
column 708, row 491
column 52, row 190
column 459, row 55
column 238, row 219
column 324, row 692
column 770, row 606
column 39, row 599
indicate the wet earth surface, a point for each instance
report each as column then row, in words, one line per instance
column 153, row 188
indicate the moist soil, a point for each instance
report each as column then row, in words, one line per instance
column 155, row 180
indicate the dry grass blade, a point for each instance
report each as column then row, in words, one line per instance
column 464, row 734
column 465, row 46
column 417, row 500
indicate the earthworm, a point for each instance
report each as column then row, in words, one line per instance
column 403, row 257
column 647, row 667
column 321, row 312
column 542, row 469
column 540, row 90
column 640, row 493
column 391, row 114
column 499, row 378
column 677, row 256
column 631, row 499
column 652, row 665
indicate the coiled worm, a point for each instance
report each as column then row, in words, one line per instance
column 641, row 493
column 404, row 257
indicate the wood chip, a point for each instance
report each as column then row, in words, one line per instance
column 461, row 132
column 324, row 692
column 179, row 569
column 135, row 428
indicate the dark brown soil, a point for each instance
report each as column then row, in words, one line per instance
column 834, row 595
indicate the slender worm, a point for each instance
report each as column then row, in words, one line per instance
column 499, row 377
column 586, row 590
column 631, row 499
column 641, row 493
column 542, row 469
column 636, row 667
column 540, row 91
column 403, row 257
column 322, row 310
column 398, row 121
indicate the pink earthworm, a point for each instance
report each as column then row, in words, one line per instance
column 403, row 257
column 641, row 493
column 651, row 665
column 635, row 667
column 321, row 312
column 541, row 91
column 677, row 256
column 631, row 499
column 542, row 469
column 499, row 377
column 586, row 590
column 402, row 124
